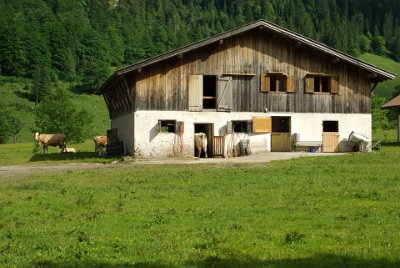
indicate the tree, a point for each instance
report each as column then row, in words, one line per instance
column 57, row 114
column 379, row 116
column 378, row 45
column 9, row 125
column 16, row 125
column 5, row 128
column 41, row 85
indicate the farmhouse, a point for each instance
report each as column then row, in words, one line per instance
column 257, row 88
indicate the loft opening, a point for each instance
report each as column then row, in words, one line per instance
column 209, row 91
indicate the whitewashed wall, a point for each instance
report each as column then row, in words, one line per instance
column 141, row 135
column 125, row 126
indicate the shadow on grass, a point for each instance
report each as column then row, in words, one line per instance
column 326, row 261
column 391, row 144
column 79, row 156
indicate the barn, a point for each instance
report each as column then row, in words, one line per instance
column 256, row 88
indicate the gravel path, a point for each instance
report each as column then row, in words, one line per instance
column 255, row 158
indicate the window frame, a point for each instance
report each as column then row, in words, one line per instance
column 326, row 83
column 277, row 83
column 170, row 124
column 245, row 126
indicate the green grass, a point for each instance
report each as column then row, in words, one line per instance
column 24, row 153
column 386, row 88
column 15, row 93
column 340, row 211
column 385, row 135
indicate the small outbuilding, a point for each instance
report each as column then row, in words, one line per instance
column 394, row 104
column 256, row 88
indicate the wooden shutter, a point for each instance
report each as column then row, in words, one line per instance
column 224, row 94
column 309, row 84
column 335, row 84
column 290, row 84
column 265, row 83
column 262, row 124
column 195, row 92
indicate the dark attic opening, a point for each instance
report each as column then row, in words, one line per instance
column 209, row 91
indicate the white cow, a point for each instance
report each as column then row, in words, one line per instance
column 67, row 150
column 46, row 140
column 201, row 142
column 100, row 142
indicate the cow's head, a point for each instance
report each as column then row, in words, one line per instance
column 36, row 136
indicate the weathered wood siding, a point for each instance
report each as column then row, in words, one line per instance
column 164, row 85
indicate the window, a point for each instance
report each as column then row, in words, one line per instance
column 330, row 126
column 167, row 126
column 241, row 126
column 209, row 91
column 281, row 124
column 320, row 83
column 277, row 82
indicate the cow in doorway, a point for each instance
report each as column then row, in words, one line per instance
column 200, row 140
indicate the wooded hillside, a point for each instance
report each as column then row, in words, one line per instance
column 84, row 40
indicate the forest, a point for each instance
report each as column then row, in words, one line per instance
column 81, row 42
column 84, row 40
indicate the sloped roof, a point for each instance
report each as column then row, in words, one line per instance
column 384, row 75
column 395, row 102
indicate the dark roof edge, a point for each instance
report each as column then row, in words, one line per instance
column 395, row 102
column 270, row 26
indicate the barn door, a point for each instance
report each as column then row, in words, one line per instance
column 224, row 94
column 195, row 92
column 330, row 142
column 280, row 135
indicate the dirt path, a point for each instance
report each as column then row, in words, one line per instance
column 6, row 171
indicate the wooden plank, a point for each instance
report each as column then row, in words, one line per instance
column 330, row 142
column 335, row 84
column 290, row 84
column 224, row 94
column 280, row 142
column 265, row 83
column 195, row 91
column 262, row 124
column 309, row 84
column 218, row 146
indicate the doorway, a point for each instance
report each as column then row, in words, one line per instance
column 280, row 135
column 208, row 129
column 330, row 136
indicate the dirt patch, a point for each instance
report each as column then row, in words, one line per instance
column 258, row 159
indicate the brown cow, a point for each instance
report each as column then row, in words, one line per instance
column 100, row 142
column 201, row 142
column 46, row 140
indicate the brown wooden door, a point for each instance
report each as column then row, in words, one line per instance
column 330, row 142
column 218, row 145
column 280, row 142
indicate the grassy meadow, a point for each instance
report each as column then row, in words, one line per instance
column 25, row 153
column 386, row 88
column 333, row 211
